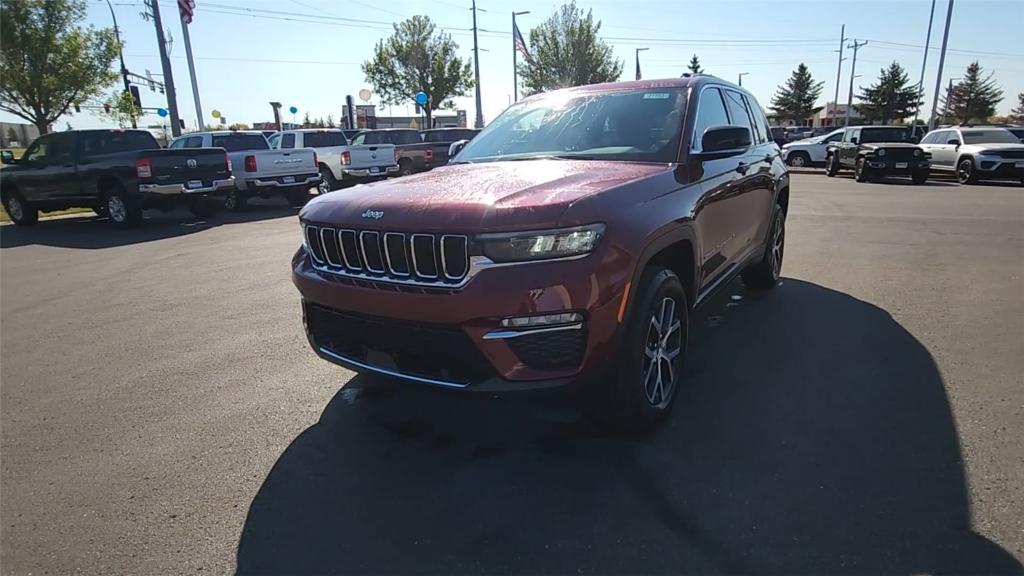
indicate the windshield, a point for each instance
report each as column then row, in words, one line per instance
column 884, row 135
column 994, row 136
column 239, row 142
column 640, row 125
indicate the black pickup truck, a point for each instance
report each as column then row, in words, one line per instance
column 117, row 173
column 441, row 139
column 414, row 155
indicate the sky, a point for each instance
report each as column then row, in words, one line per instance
column 307, row 53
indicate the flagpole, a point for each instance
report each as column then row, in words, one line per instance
column 515, row 56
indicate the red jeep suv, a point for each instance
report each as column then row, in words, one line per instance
column 567, row 243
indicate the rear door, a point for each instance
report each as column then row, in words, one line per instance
column 753, row 184
column 849, row 148
column 944, row 149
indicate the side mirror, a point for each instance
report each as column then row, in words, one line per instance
column 854, row 140
column 455, row 148
column 7, row 157
column 725, row 141
column 953, row 142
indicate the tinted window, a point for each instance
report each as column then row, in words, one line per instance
column 884, row 134
column 39, row 149
column 448, row 135
column 710, row 112
column 738, row 111
column 60, row 147
column 323, row 139
column 116, row 141
column 193, row 142
column 760, row 134
column 239, row 142
column 179, row 143
column 288, row 141
column 852, row 135
column 833, row 137
column 639, row 125
column 995, row 135
column 400, row 137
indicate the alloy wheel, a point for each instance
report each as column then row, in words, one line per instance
column 778, row 246
column 323, row 187
column 798, row 161
column 964, row 172
column 116, row 209
column 15, row 209
column 231, row 201
column 662, row 347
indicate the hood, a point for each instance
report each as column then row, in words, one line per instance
column 804, row 142
column 473, row 197
column 877, row 145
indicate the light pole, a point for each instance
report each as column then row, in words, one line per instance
column 515, row 56
column 853, row 68
column 924, row 65
column 942, row 61
column 638, row 51
column 120, row 54
column 740, row 79
column 479, row 123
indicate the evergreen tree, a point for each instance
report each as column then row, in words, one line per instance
column 973, row 98
column 306, row 122
column 694, row 65
column 890, row 98
column 1017, row 114
column 796, row 99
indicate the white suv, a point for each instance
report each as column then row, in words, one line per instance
column 976, row 153
column 809, row 151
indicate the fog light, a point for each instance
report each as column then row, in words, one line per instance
column 545, row 320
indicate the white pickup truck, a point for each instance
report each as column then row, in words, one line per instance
column 341, row 164
column 259, row 171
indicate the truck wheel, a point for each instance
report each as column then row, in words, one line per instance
column 123, row 210
column 234, row 201
column 19, row 211
column 202, row 207
column 639, row 391
column 297, row 197
column 965, row 172
column 765, row 274
column 405, row 167
column 328, row 182
column 919, row 177
column 799, row 160
column 831, row 166
column 861, row 171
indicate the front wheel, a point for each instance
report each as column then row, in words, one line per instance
column 765, row 274
column 123, row 210
column 861, row 172
column 831, row 166
column 919, row 177
column 19, row 211
column 799, row 160
column 327, row 182
column 965, row 173
column 639, row 391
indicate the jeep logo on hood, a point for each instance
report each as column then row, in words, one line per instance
column 374, row 214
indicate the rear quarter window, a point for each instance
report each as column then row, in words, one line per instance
column 323, row 139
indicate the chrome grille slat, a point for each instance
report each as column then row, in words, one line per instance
column 352, row 262
column 375, row 246
column 331, row 233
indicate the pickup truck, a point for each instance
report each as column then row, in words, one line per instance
column 568, row 244
column 414, row 155
column 117, row 173
column 259, row 171
column 340, row 164
column 441, row 140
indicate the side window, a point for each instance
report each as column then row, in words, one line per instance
column 288, row 141
column 179, row 143
column 759, row 132
column 60, row 148
column 39, row 150
column 934, row 138
column 834, row 138
column 953, row 136
column 193, row 142
column 710, row 112
column 851, row 135
column 738, row 112
column 274, row 141
column 359, row 139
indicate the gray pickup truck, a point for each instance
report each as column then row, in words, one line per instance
column 414, row 155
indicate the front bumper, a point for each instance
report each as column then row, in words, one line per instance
column 999, row 168
column 368, row 172
column 214, row 188
column 452, row 338
column 882, row 165
column 271, row 182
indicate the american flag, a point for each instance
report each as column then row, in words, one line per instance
column 186, row 8
column 517, row 37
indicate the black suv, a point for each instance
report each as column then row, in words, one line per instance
column 874, row 152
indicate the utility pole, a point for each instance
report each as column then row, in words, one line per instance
column 853, row 69
column 120, row 54
column 839, row 72
column 185, row 10
column 924, row 65
column 515, row 56
column 942, row 60
column 165, row 64
column 476, row 66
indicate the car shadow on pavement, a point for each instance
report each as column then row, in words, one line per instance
column 89, row 231
column 896, row 180
column 813, row 435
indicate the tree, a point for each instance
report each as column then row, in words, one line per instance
column 120, row 108
column 238, row 126
column 973, row 98
column 47, row 62
column 566, row 51
column 890, row 98
column 306, row 122
column 1017, row 114
column 795, row 100
column 694, row 65
column 418, row 58
column 330, row 121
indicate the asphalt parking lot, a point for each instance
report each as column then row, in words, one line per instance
column 161, row 413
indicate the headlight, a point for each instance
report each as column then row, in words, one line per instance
column 917, row 152
column 881, row 152
column 541, row 244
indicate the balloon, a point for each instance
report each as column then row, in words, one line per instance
column 161, row 112
column 364, row 95
column 293, row 109
column 215, row 113
column 421, row 98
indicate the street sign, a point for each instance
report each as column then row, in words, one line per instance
column 421, row 98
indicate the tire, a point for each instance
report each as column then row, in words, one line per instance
column 100, row 209
column 123, row 210
column 297, row 197
column 919, row 177
column 831, row 166
column 19, row 211
column 235, row 201
column 328, row 183
column 799, row 160
column 202, row 207
column 405, row 168
column 861, row 172
column 631, row 398
column 965, row 173
column 765, row 274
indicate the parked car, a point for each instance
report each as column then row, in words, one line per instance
column 569, row 245
column 414, row 155
column 441, row 140
column 341, row 164
column 809, row 151
column 973, row 154
column 1018, row 132
column 117, row 173
column 874, row 152
column 260, row 171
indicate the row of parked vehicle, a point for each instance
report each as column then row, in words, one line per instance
column 119, row 173
column 971, row 153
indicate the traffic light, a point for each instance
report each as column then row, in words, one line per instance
column 106, row 108
column 135, row 96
